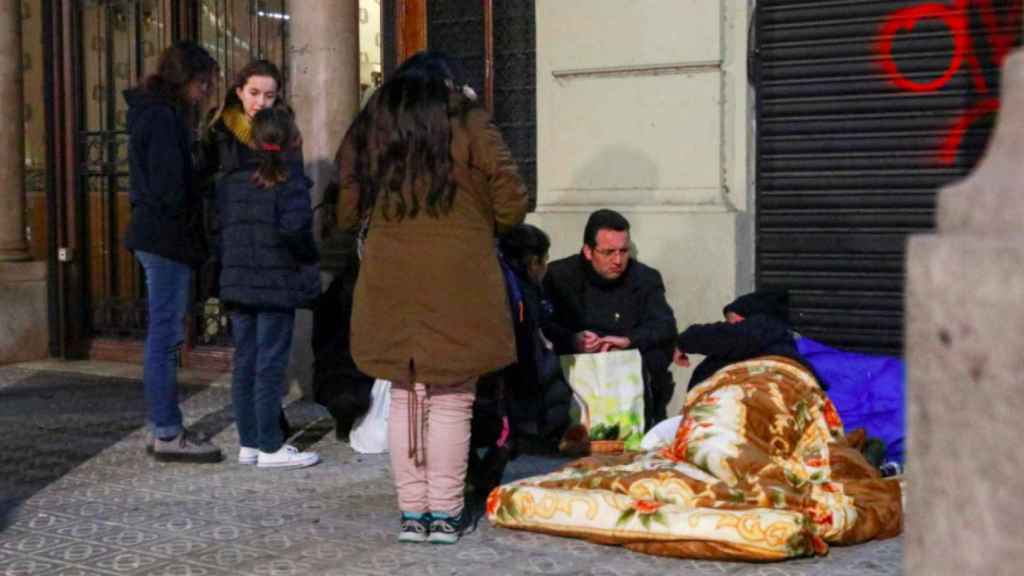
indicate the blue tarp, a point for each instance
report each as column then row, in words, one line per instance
column 868, row 391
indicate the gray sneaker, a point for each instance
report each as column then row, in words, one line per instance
column 186, row 447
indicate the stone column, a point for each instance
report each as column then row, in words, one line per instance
column 324, row 81
column 12, row 136
column 23, row 313
column 324, row 91
column 965, row 364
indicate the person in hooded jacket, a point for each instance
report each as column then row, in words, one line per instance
column 539, row 396
column 755, row 325
column 427, row 172
column 269, row 268
column 227, row 147
column 166, row 234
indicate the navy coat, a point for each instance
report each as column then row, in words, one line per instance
column 267, row 252
column 723, row 344
column 167, row 211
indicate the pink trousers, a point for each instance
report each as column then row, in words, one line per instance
column 428, row 436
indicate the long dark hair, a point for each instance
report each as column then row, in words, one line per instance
column 273, row 133
column 403, row 137
column 523, row 244
column 180, row 64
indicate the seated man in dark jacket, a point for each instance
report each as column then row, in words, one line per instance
column 755, row 325
column 605, row 301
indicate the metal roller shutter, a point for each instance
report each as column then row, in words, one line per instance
column 864, row 109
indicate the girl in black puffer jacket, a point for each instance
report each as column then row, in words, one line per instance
column 268, row 269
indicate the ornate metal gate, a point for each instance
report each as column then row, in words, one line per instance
column 119, row 42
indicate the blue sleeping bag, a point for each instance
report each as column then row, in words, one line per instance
column 868, row 391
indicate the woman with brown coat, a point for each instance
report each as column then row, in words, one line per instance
column 429, row 175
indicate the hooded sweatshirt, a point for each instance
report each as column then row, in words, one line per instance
column 167, row 216
column 763, row 332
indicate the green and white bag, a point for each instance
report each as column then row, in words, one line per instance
column 609, row 392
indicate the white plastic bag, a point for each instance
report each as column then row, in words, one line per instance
column 662, row 434
column 369, row 435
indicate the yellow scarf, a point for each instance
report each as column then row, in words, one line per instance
column 238, row 124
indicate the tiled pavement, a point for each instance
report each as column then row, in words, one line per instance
column 78, row 496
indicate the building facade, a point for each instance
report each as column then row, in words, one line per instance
column 749, row 143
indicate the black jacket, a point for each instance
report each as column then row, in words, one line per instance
column 723, row 344
column 267, row 252
column 536, row 366
column 167, row 213
column 633, row 305
column 220, row 154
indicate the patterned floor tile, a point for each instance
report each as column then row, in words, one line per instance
column 87, row 530
column 72, row 570
column 279, row 567
column 75, row 552
column 44, row 521
column 180, row 568
column 179, row 524
column 231, row 556
column 129, row 536
column 176, row 547
column 126, row 561
column 27, row 566
column 16, row 541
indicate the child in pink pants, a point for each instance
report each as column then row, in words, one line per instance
column 428, row 429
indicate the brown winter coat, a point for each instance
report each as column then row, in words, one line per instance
column 430, row 294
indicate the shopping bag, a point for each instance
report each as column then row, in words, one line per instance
column 609, row 390
column 370, row 433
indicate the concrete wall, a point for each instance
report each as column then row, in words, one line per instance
column 644, row 107
column 24, row 329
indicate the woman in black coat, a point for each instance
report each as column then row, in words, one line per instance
column 269, row 268
column 227, row 146
column 166, row 232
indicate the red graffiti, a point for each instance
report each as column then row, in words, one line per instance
column 1000, row 31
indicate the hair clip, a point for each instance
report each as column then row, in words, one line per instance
column 267, row 147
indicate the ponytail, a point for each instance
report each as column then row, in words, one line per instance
column 273, row 131
column 272, row 170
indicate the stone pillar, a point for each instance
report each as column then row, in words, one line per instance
column 324, row 91
column 324, row 81
column 12, row 136
column 23, row 320
column 965, row 364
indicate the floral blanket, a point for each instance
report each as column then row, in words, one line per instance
column 759, row 470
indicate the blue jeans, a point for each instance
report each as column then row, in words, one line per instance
column 168, row 285
column 263, row 341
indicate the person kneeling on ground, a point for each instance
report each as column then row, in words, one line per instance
column 540, row 397
column 605, row 300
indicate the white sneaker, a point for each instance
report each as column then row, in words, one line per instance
column 287, row 457
column 247, row 455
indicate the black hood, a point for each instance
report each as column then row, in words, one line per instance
column 770, row 302
column 139, row 101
